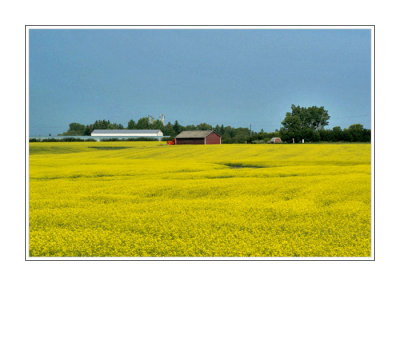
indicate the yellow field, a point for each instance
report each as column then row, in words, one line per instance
column 150, row 199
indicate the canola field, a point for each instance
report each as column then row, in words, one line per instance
column 141, row 199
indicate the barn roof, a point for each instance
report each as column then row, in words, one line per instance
column 126, row 131
column 195, row 134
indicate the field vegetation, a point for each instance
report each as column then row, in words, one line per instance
column 151, row 199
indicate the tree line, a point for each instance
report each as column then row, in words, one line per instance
column 229, row 134
column 309, row 123
column 302, row 123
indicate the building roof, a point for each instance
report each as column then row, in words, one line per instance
column 195, row 134
column 126, row 131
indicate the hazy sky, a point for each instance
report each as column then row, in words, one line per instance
column 234, row 77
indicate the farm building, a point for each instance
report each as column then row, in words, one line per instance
column 275, row 140
column 127, row 133
column 198, row 137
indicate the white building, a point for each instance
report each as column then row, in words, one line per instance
column 127, row 133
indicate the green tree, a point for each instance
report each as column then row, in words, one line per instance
column 304, row 122
column 131, row 124
column 190, row 127
column 203, row 126
column 317, row 117
column 76, row 127
column 169, row 130
column 356, row 132
column 337, row 134
column 177, row 128
column 143, row 124
column 156, row 125
column 291, row 127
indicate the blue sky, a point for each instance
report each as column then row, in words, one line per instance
column 231, row 77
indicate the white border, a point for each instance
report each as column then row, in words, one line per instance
column 162, row 27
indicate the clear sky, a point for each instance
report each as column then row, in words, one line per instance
column 231, row 77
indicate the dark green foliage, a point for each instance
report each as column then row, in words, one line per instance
column 204, row 126
column 131, row 124
column 314, row 118
column 50, row 140
column 71, row 139
column 308, row 124
column 66, row 139
column 304, row 123
column 168, row 130
column 142, row 139
column 76, row 129
column 177, row 128
column 143, row 124
column 357, row 133
column 301, row 123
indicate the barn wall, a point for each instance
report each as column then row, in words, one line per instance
column 213, row 138
column 189, row 141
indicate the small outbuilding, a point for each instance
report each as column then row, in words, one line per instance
column 275, row 140
column 198, row 137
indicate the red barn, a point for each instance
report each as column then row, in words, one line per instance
column 198, row 137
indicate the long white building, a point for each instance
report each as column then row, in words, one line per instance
column 127, row 133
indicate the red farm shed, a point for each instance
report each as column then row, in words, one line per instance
column 198, row 137
column 275, row 140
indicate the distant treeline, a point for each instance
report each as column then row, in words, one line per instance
column 229, row 134
column 66, row 139
column 301, row 123
column 309, row 123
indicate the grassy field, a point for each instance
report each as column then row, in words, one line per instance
column 150, row 199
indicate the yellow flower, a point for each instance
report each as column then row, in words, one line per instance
column 151, row 199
